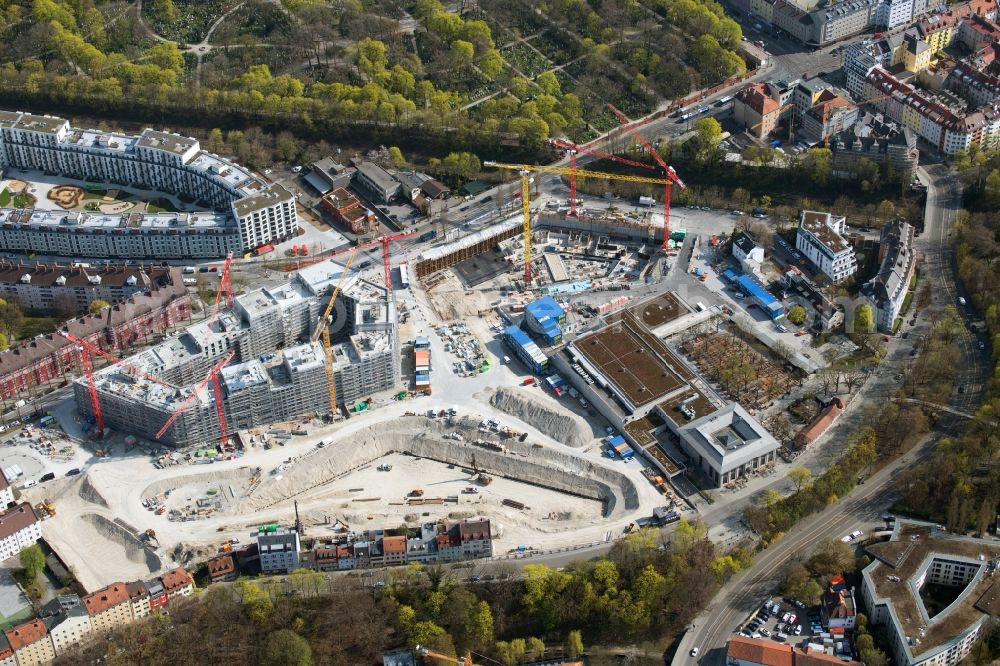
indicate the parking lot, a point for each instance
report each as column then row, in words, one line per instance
column 791, row 621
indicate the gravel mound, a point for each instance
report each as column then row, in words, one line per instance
column 565, row 428
column 89, row 493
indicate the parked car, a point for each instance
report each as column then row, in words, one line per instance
column 73, row 472
column 694, row 652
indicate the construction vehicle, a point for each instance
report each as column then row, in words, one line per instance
column 45, row 509
column 461, row 661
column 151, row 536
column 417, row 492
column 671, row 176
column 483, row 479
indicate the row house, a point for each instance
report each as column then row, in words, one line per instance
column 68, row 621
column 45, row 358
column 428, row 543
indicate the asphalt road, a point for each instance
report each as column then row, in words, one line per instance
column 864, row 505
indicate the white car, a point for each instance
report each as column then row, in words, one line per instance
column 856, row 534
column 694, row 652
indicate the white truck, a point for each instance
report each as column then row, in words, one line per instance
column 647, row 201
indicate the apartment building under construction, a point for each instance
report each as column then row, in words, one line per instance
column 277, row 372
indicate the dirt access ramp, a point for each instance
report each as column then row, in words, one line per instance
column 528, row 406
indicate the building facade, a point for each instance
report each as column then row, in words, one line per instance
column 249, row 212
column 71, row 288
column 48, row 358
column 756, row 110
column 19, row 528
column 919, row 554
column 819, row 239
column 278, row 550
column 109, row 607
column 278, row 372
column 897, row 265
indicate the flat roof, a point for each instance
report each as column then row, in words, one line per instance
column 912, row 543
column 631, row 358
column 269, row 196
column 659, row 310
column 818, row 224
column 174, row 143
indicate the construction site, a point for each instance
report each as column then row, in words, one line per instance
column 539, row 373
column 261, row 355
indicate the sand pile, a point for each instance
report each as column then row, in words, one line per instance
column 565, row 428
column 89, row 493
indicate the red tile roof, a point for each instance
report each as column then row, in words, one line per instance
column 757, row 98
column 220, row 566
column 26, row 634
column 760, row 652
column 176, row 579
column 811, row 432
column 106, row 598
column 394, row 544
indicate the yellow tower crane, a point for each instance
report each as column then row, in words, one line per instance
column 524, row 170
column 324, row 330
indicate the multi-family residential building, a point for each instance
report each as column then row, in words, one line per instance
column 6, row 493
column 476, row 538
column 67, row 622
column 278, row 550
column 756, row 110
column 138, row 596
column 976, row 33
column 31, row 643
column 831, row 114
column 897, row 264
column 157, row 595
column 45, row 359
column 892, row 13
column 279, row 373
column 7, row 657
column 430, row 542
column 177, row 582
column 393, row 550
column 820, row 239
column 222, row 568
column 70, row 288
column 873, row 138
column 806, row 94
column 109, row 607
column 19, row 528
column 893, row 586
column 249, row 212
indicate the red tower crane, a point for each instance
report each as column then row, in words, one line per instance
column 87, row 350
column 212, row 376
column 573, row 149
column 225, row 286
column 380, row 240
column 671, row 176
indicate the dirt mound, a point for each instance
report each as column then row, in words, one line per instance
column 565, row 428
column 89, row 493
column 135, row 551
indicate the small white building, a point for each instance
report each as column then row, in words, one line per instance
column 19, row 528
column 820, row 239
column 748, row 253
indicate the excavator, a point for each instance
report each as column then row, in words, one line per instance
column 461, row 661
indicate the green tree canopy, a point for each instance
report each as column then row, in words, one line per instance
column 32, row 561
column 97, row 305
column 864, row 319
column 286, row 648
column 796, row 314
